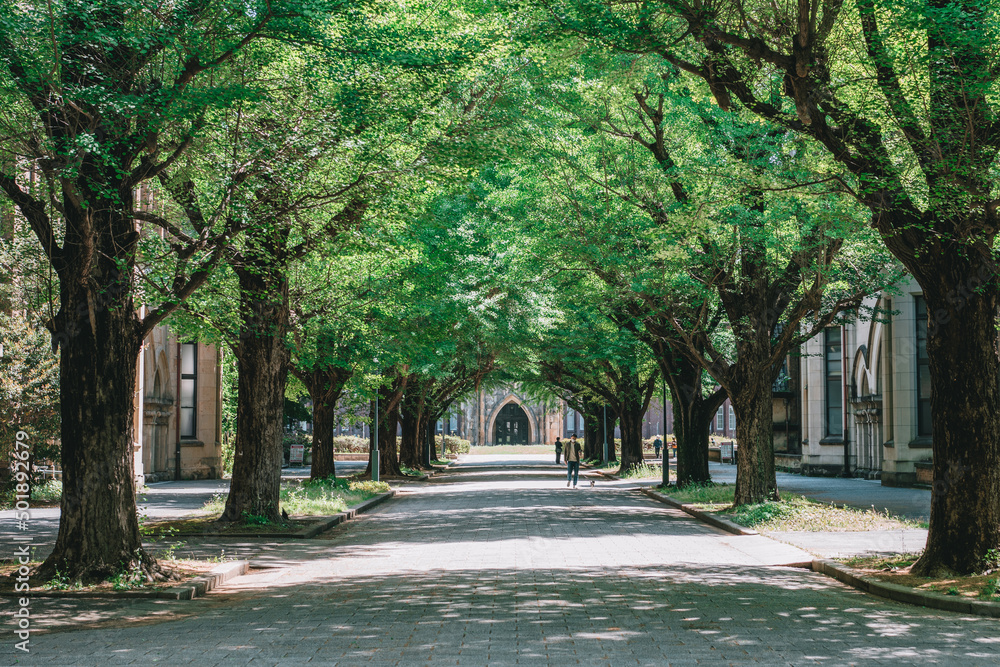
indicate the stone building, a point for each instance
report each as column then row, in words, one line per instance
column 866, row 394
column 503, row 416
column 177, row 423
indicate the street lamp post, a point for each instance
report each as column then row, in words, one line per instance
column 375, row 442
column 665, row 463
column 605, row 433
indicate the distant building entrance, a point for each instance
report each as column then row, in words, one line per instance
column 512, row 426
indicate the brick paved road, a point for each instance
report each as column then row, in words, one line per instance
column 502, row 565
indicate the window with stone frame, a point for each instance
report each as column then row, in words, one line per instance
column 924, row 421
column 189, row 381
column 834, row 399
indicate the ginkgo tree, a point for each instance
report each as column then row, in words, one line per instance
column 108, row 96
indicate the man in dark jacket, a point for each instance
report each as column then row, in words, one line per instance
column 574, row 452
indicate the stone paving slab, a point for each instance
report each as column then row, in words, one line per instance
column 830, row 544
column 497, row 564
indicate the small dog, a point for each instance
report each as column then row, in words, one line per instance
column 591, row 483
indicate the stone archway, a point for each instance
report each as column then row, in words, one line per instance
column 511, row 426
column 532, row 429
column 157, row 411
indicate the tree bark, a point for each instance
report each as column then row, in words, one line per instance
column 98, row 333
column 607, row 425
column 323, row 465
column 961, row 350
column 593, row 445
column 262, row 363
column 751, row 400
column 388, row 419
column 429, row 442
column 693, row 413
column 325, row 386
column 411, row 418
column 630, row 420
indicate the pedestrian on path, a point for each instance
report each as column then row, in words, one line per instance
column 573, row 452
column 656, row 447
column 558, row 450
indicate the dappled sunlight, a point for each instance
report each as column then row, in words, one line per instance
column 483, row 566
column 683, row 604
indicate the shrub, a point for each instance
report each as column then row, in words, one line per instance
column 453, row 444
column 350, row 444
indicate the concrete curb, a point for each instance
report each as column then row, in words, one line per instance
column 851, row 577
column 313, row 529
column 904, row 594
column 707, row 517
column 189, row 590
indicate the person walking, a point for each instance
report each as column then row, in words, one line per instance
column 573, row 453
column 656, row 447
column 558, row 450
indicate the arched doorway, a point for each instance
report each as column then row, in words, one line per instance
column 511, row 426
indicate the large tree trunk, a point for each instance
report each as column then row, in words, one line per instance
column 961, row 350
column 631, row 418
column 593, row 445
column 608, row 419
column 388, row 419
column 691, row 431
column 98, row 527
column 262, row 365
column 324, row 420
column 325, row 386
column 409, row 443
column 411, row 418
column 755, row 474
column 693, row 415
column 429, row 441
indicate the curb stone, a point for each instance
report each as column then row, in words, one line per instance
column 904, row 594
column 707, row 517
column 189, row 590
column 851, row 577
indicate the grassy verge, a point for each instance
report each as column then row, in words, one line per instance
column 177, row 571
column 646, row 471
column 301, row 501
column 792, row 513
column 320, row 498
column 896, row 569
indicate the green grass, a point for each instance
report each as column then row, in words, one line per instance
column 644, row 471
column 886, row 563
column 793, row 513
column 797, row 513
column 702, row 494
column 320, row 498
column 508, row 450
column 603, row 465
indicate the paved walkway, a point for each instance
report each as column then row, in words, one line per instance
column 497, row 563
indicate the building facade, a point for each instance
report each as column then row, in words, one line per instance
column 177, row 424
column 866, row 394
column 504, row 416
